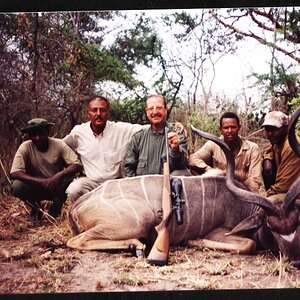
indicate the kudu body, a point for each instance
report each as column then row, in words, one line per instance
column 124, row 212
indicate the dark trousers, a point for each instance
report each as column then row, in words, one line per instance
column 34, row 194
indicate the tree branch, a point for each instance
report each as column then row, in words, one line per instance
column 256, row 37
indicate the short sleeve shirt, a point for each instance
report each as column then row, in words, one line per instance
column 103, row 155
column 43, row 164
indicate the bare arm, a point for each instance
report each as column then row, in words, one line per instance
column 22, row 175
column 201, row 159
column 50, row 183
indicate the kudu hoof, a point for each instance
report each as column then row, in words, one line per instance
column 137, row 252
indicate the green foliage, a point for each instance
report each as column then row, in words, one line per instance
column 280, row 84
column 291, row 21
column 139, row 45
column 101, row 65
column 280, row 76
column 295, row 102
column 129, row 110
column 184, row 19
column 205, row 121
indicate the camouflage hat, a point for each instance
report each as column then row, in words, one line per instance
column 276, row 119
column 35, row 124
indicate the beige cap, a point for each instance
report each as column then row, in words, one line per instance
column 276, row 118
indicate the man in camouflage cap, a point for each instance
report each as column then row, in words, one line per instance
column 280, row 163
column 42, row 169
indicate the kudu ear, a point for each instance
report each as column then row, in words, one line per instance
column 292, row 132
column 252, row 223
column 240, row 193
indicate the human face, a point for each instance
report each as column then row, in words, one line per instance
column 39, row 137
column 98, row 114
column 156, row 111
column 230, row 129
column 276, row 135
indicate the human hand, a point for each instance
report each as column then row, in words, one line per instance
column 174, row 140
column 180, row 128
column 268, row 168
column 52, row 183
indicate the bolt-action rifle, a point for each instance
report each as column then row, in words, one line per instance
column 176, row 187
column 160, row 251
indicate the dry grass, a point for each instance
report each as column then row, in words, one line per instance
column 36, row 260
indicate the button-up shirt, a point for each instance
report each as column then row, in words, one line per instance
column 103, row 155
column 287, row 167
column 248, row 161
column 147, row 152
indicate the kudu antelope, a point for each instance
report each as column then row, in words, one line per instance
column 124, row 212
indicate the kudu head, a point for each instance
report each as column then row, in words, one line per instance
column 281, row 216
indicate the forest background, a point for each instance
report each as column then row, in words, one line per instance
column 51, row 63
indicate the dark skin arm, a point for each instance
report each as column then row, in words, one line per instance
column 51, row 183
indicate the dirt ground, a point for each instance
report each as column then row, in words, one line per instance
column 34, row 259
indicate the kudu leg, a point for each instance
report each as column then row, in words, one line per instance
column 84, row 242
column 219, row 241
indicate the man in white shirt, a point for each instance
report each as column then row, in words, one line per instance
column 101, row 145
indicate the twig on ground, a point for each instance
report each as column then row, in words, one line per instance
column 4, row 171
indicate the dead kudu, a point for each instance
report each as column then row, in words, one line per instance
column 123, row 213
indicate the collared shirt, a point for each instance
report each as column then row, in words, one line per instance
column 43, row 164
column 102, row 156
column 248, row 161
column 287, row 166
column 147, row 152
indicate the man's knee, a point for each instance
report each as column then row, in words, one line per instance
column 182, row 172
column 75, row 190
column 19, row 189
column 79, row 187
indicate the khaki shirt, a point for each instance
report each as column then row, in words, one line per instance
column 248, row 161
column 43, row 164
column 287, row 166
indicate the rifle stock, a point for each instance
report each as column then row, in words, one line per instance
column 160, row 251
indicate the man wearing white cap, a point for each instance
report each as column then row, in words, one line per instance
column 280, row 163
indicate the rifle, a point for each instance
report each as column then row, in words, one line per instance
column 177, row 202
column 160, row 251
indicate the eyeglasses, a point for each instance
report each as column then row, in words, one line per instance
column 95, row 110
column 158, row 108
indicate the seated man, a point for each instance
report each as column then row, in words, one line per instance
column 101, row 145
column 147, row 148
column 42, row 169
column 280, row 163
column 246, row 154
